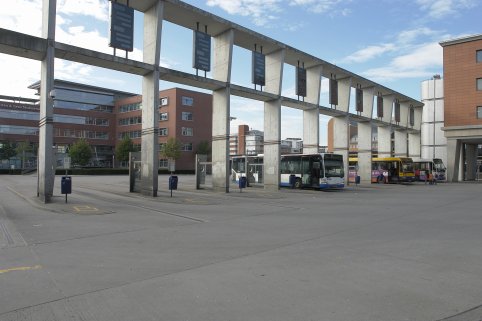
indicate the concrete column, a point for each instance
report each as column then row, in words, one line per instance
column 368, row 95
column 223, row 56
column 387, row 108
column 384, row 141
column 311, row 118
column 46, row 163
column 453, row 159
column 365, row 152
column 471, row 160
column 404, row 111
column 414, row 145
column 272, row 120
column 340, row 141
column 150, row 100
column 344, row 91
column 400, row 143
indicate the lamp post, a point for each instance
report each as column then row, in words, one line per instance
column 435, row 77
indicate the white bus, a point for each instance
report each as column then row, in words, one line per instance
column 320, row 171
column 434, row 166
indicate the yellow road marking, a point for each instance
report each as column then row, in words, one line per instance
column 85, row 208
column 21, row 268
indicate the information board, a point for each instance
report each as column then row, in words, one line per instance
column 359, row 100
column 397, row 112
column 333, row 92
column 379, row 106
column 300, row 81
column 201, row 58
column 259, row 69
column 121, row 32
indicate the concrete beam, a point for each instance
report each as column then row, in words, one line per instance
column 387, row 108
column 368, row 95
column 384, row 141
column 344, row 93
column 341, row 139
column 400, row 141
column 414, row 145
column 22, row 45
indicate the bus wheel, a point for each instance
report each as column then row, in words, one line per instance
column 298, row 183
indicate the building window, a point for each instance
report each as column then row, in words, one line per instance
column 186, row 115
column 163, row 101
column 187, row 101
column 163, row 163
column 130, row 107
column 162, row 131
column 186, row 131
column 163, row 116
column 479, row 83
column 479, row 112
column 479, row 55
column 186, row 147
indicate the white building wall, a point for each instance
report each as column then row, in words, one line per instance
column 433, row 119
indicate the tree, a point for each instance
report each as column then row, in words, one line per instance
column 204, row 148
column 80, row 152
column 6, row 150
column 124, row 148
column 21, row 149
column 171, row 149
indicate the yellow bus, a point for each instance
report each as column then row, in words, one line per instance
column 386, row 169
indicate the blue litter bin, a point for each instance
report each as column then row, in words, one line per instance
column 66, row 185
column 357, row 179
column 242, row 182
column 173, row 183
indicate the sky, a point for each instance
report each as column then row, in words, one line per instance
column 392, row 42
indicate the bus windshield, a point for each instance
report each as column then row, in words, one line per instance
column 407, row 166
column 439, row 165
column 334, row 166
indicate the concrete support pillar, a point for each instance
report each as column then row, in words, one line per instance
column 340, row 141
column 384, row 141
column 414, row 145
column 368, row 94
column 387, row 108
column 344, row 91
column 400, row 141
column 46, row 163
column 223, row 56
column 365, row 152
column 404, row 111
column 150, row 100
column 453, row 159
column 311, row 118
column 471, row 160
column 272, row 120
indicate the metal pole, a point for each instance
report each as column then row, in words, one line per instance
column 434, row 101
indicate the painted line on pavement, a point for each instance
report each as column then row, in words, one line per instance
column 21, row 268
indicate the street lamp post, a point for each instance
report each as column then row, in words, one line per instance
column 435, row 77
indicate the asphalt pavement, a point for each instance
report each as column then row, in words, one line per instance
column 378, row 252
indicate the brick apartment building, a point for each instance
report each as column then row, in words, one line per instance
column 462, row 63
column 183, row 114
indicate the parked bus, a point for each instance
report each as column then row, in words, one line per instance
column 319, row 171
column 434, row 166
column 386, row 169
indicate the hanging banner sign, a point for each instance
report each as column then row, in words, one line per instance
column 259, row 68
column 121, row 32
column 300, row 81
column 201, row 58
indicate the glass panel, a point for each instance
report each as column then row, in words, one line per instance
column 479, row 83
column 479, row 112
column 479, row 55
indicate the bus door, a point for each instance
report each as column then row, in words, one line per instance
column 315, row 173
column 305, row 171
column 394, row 172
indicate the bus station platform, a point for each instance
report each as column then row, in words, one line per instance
column 379, row 252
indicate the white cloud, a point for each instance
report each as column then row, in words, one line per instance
column 369, row 52
column 17, row 75
column 98, row 9
column 420, row 63
column 441, row 8
column 319, row 6
column 261, row 12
